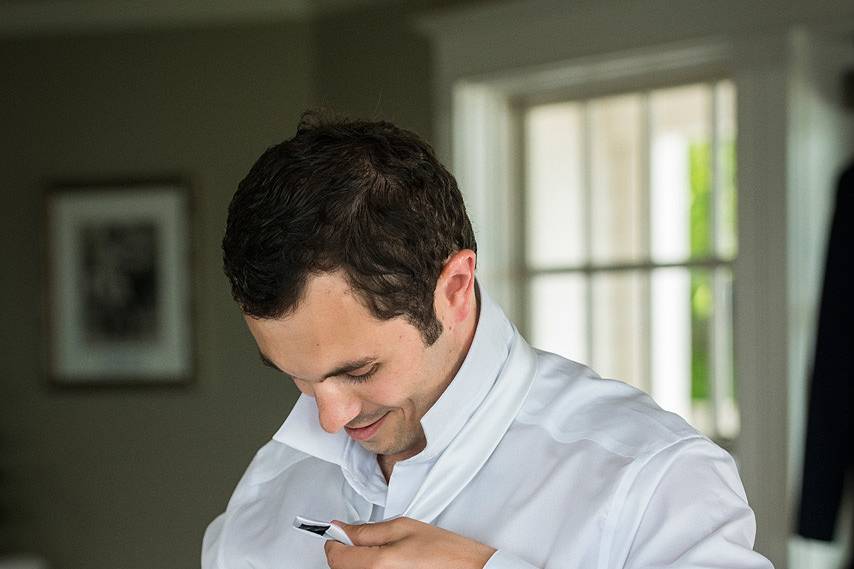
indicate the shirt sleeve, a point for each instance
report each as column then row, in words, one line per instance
column 503, row 560
column 686, row 508
column 210, row 543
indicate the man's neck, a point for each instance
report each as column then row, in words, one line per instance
column 387, row 465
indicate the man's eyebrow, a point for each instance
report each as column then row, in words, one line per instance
column 346, row 367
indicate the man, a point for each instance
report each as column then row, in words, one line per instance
column 428, row 429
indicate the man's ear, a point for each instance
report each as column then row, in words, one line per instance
column 454, row 297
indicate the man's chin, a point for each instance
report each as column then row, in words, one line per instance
column 379, row 445
column 372, row 446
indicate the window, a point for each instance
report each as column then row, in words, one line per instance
column 629, row 240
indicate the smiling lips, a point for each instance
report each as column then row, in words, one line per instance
column 366, row 432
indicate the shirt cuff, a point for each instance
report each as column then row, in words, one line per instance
column 503, row 560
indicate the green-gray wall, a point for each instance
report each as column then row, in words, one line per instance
column 118, row 478
column 371, row 63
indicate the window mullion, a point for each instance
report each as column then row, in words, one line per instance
column 646, row 235
column 708, row 264
column 717, row 332
column 587, row 192
column 521, row 265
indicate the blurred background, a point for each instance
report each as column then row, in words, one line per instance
column 653, row 185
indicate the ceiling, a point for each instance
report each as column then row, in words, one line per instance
column 32, row 17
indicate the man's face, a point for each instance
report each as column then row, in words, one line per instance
column 374, row 378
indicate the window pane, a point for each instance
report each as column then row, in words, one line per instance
column 618, row 327
column 615, row 179
column 559, row 315
column 555, row 177
column 726, row 225
column 728, row 420
column 681, row 173
column 703, row 386
column 671, row 340
column 691, row 347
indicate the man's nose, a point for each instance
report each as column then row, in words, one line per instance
column 335, row 407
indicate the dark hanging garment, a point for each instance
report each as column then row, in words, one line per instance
column 829, row 450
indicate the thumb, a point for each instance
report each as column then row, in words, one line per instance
column 374, row 534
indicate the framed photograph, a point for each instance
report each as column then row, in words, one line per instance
column 118, row 299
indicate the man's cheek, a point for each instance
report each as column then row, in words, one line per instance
column 380, row 396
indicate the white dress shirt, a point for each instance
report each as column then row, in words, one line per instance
column 527, row 452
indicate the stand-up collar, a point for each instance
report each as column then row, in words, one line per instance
column 481, row 366
column 443, row 421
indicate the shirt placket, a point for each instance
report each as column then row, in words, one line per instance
column 406, row 479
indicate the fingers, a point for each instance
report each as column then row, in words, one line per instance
column 380, row 533
column 404, row 543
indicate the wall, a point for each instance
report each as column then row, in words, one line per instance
column 129, row 478
column 372, row 63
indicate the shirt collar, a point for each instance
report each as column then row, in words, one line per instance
column 481, row 366
column 485, row 359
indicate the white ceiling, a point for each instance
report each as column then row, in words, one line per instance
column 31, row 17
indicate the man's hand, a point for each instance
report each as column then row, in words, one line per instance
column 404, row 543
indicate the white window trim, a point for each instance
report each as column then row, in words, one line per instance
column 537, row 44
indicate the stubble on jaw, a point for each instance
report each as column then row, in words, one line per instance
column 404, row 444
column 402, row 441
column 403, row 450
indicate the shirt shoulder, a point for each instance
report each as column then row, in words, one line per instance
column 571, row 403
column 255, row 529
column 270, row 462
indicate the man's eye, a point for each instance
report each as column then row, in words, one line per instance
column 362, row 377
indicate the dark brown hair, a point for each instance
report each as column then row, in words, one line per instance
column 367, row 198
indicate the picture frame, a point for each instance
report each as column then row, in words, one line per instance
column 118, row 299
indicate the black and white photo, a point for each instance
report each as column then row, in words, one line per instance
column 118, row 300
